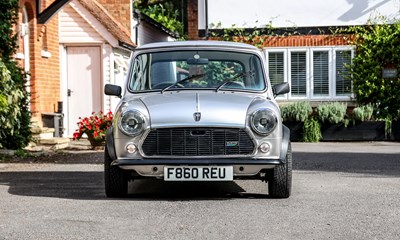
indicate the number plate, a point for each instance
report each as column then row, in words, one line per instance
column 198, row 173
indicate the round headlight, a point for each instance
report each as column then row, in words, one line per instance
column 263, row 121
column 131, row 122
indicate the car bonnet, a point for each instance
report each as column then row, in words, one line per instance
column 207, row 109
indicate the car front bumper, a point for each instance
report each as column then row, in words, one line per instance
column 242, row 167
column 155, row 167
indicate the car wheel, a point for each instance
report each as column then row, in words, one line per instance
column 280, row 178
column 115, row 179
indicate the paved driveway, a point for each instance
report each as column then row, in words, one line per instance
column 340, row 191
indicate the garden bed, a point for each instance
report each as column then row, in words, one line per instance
column 363, row 131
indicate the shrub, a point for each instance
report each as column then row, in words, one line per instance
column 312, row 130
column 297, row 111
column 333, row 112
column 363, row 113
column 14, row 117
column 14, row 112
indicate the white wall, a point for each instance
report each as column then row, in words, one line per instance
column 73, row 28
column 291, row 13
column 78, row 25
column 149, row 34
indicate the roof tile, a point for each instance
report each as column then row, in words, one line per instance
column 110, row 23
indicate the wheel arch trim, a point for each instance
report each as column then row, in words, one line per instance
column 110, row 143
column 285, row 143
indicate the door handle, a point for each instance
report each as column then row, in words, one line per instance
column 69, row 91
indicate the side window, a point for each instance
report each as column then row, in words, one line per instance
column 140, row 73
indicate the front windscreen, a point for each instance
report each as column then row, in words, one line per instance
column 183, row 70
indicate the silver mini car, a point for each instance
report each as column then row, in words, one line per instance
column 197, row 111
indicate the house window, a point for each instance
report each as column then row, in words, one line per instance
column 298, row 74
column 320, row 73
column 313, row 73
column 275, row 66
column 343, row 82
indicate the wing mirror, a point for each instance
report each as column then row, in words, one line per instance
column 281, row 88
column 113, row 90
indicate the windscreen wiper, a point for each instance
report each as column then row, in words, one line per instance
column 182, row 81
column 231, row 80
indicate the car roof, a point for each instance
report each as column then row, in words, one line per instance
column 200, row 43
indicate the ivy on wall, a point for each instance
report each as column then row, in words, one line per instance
column 377, row 48
column 254, row 36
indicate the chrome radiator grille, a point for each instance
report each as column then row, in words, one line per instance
column 197, row 142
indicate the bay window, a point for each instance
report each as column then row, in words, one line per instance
column 315, row 73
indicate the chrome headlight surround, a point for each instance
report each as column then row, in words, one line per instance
column 263, row 121
column 131, row 122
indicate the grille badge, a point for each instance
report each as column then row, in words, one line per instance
column 197, row 116
column 232, row 143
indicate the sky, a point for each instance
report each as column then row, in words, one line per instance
column 296, row 13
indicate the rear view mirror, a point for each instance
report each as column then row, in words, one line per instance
column 112, row 90
column 197, row 61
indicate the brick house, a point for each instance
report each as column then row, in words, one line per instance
column 304, row 51
column 71, row 48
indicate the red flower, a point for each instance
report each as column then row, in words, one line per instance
column 76, row 136
column 96, row 124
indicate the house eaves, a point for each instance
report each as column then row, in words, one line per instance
column 99, row 12
column 146, row 18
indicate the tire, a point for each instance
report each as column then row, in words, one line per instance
column 115, row 179
column 280, row 178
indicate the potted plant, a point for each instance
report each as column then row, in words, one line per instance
column 94, row 127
